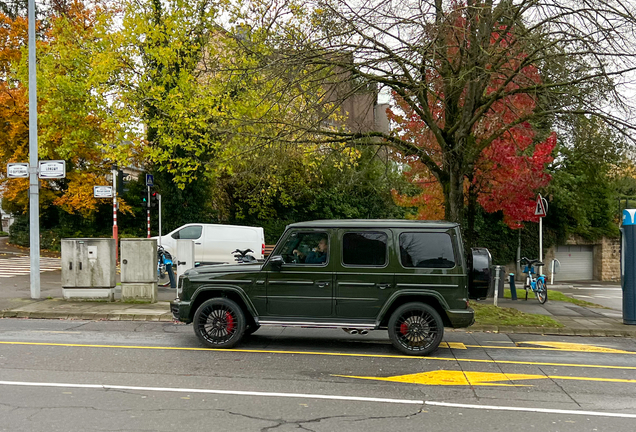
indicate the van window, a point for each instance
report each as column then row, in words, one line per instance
column 364, row 248
column 428, row 250
column 188, row 233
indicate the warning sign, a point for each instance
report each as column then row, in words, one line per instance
column 540, row 209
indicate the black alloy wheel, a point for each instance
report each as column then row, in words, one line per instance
column 219, row 323
column 416, row 329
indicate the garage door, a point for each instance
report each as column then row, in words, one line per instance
column 577, row 263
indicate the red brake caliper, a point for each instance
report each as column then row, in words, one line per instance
column 404, row 328
column 229, row 319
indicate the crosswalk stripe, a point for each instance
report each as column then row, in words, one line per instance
column 19, row 266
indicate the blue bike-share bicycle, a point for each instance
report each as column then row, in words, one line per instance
column 535, row 283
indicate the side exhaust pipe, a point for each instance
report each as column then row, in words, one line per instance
column 353, row 331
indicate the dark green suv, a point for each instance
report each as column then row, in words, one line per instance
column 409, row 277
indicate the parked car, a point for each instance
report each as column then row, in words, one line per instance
column 215, row 243
column 412, row 278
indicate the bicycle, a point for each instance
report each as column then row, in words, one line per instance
column 241, row 256
column 536, row 284
column 164, row 267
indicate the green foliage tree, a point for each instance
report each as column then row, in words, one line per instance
column 583, row 192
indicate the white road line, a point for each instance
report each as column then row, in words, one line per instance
column 317, row 396
column 228, row 392
column 528, row 409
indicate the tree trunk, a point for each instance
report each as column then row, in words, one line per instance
column 454, row 193
column 471, row 210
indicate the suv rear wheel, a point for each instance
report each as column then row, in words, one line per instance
column 219, row 323
column 416, row 328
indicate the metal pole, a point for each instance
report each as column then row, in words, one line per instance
column 497, row 277
column 34, row 193
column 540, row 243
column 552, row 273
column 115, row 232
column 159, row 198
column 148, row 213
column 519, row 255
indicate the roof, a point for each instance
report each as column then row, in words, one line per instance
column 373, row 223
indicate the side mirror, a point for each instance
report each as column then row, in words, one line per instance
column 276, row 262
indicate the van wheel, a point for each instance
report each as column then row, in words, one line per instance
column 219, row 323
column 416, row 328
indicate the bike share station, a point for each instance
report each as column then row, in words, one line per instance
column 628, row 266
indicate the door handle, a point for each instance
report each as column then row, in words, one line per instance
column 323, row 284
column 384, row 286
column 197, row 243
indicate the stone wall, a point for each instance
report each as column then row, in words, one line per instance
column 608, row 262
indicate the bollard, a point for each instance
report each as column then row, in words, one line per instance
column 513, row 290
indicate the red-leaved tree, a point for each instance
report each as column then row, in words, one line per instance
column 509, row 166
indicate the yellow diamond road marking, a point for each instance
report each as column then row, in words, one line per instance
column 455, row 345
column 455, row 378
column 566, row 346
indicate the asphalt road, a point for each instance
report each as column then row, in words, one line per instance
column 132, row 376
column 604, row 295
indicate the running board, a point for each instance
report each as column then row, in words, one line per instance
column 315, row 324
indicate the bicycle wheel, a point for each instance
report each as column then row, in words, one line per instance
column 541, row 292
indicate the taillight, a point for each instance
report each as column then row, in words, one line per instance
column 263, row 249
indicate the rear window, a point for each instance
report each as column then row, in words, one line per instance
column 364, row 248
column 426, row 250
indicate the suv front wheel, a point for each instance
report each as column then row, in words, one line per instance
column 219, row 323
column 416, row 328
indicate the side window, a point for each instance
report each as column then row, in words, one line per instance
column 306, row 248
column 364, row 248
column 189, row 233
column 427, row 250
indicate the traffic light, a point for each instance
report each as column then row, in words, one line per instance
column 153, row 199
column 144, row 199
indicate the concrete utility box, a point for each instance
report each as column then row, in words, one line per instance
column 88, row 268
column 139, row 269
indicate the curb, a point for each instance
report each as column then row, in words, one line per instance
column 165, row 317
column 561, row 331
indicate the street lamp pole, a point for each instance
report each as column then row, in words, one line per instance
column 34, row 193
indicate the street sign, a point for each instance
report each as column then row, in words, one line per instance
column 102, row 191
column 540, row 209
column 53, row 169
column 150, row 180
column 17, row 170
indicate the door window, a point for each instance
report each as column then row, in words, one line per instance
column 188, row 233
column 364, row 249
column 306, row 248
column 428, row 250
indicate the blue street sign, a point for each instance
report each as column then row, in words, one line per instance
column 150, row 180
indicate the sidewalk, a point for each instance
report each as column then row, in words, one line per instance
column 15, row 302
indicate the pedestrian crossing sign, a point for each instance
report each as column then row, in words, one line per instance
column 540, row 208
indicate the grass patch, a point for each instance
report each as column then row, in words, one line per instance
column 554, row 296
column 487, row 314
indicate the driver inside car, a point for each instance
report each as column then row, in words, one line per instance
column 317, row 256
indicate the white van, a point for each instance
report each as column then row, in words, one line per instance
column 214, row 244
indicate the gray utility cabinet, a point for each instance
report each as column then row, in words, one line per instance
column 89, row 268
column 139, row 269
